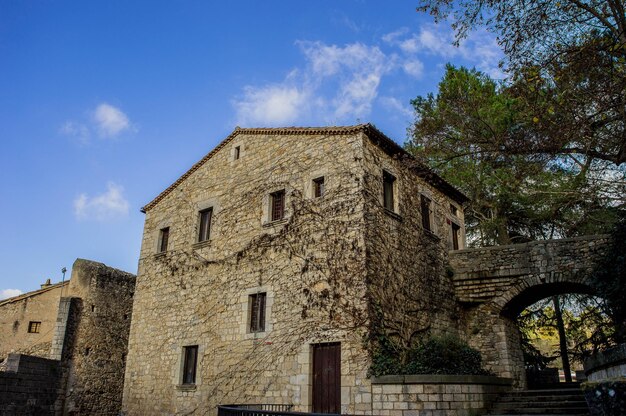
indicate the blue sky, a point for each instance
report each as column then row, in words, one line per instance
column 103, row 104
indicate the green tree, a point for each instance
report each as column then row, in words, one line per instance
column 463, row 131
column 609, row 279
column 568, row 60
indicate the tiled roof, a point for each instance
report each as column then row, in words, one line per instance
column 33, row 293
column 372, row 132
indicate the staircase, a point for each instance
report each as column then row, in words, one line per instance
column 565, row 400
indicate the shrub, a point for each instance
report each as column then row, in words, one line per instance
column 436, row 355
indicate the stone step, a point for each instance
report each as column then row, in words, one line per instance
column 554, row 392
column 546, row 404
column 542, row 411
column 523, row 414
column 546, row 398
column 558, row 401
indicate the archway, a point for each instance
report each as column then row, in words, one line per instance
column 494, row 284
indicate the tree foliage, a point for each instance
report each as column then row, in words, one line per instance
column 609, row 279
column 567, row 59
column 587, row 326
column 465, row 133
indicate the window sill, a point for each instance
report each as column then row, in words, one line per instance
column 431, row 234
column 201, row 244
column 186, row 387
column 160, row 254
column 275, row 223
column 257, row 336
column 393, row 214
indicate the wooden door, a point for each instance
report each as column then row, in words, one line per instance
column 327, row 378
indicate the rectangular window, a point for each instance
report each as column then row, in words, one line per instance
column 426, row 220
column 205, row 224
column 237, row 152
column 453, row 210
column 34, row 327
column 256, row 303
column 456, row 231
column 190, row 360
column 277, row 202
column 318, row 187
column 164, row 236
column 388, row 198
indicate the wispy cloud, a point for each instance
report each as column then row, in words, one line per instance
column 394, row 105
column 108, row 205
column 9, row 293
column 105, row 121
column 342, row 83
column 480, row 49
column 352, row 72
column 78, row 131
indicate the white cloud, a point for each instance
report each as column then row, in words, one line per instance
column 108, row 205
column 105, row 120
column 337, row 83
column 480, row 49
column 110, row 121
column 9, row 293
column 413, row 67
column 271, row 105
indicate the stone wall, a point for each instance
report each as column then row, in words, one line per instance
column 609, row 364
column 15, row 315
column 435, row 395
column 313, row 267
column 494, row 284
column 411, row 292
column 96, row 338
column 28, row 386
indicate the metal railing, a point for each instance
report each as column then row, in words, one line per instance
column 261, row 410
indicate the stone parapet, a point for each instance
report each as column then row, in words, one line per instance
column 435, row 395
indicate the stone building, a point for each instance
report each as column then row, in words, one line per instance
column 81, row 326
column 267, row 269
column 27, row 321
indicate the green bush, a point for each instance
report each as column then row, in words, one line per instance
column 436, row 355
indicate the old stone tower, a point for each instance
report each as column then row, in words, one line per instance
column 280, row 251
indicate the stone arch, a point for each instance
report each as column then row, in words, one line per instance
column 512, row 303
column 494, row 284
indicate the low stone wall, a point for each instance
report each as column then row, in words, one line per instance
column 435, row 395
column 607, row 364
column 28, row 386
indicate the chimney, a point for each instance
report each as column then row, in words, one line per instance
column 46, row 284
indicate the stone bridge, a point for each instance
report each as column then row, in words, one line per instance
column 494, row 284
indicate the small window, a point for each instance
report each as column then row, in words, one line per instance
column 318, row 187
column 164, row 236
column 87, row 351
column 256, row 304
column 425, row 207
column 277, row 204
column 388, row 197
column 456, row 235
column 453, row 210
column 34, row 327
column 205, row 224
column 190, row 360
column 237, row 153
